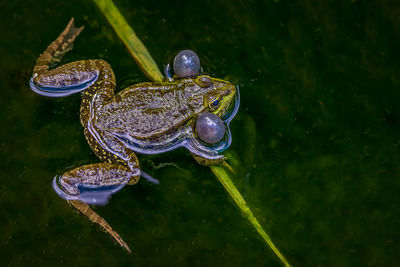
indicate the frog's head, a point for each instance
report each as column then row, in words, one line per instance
column 218, row 96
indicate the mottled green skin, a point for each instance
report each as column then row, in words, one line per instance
column 149, row 110
column 144, row 111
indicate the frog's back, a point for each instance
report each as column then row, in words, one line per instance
column 145, row 111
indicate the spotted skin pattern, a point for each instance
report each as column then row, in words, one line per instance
column 147, row 111
column 113, row 168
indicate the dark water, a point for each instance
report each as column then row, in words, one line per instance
column 318, row 136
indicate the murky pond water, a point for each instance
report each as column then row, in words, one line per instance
column 317, row 134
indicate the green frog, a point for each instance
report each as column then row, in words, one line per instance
column 146, row 118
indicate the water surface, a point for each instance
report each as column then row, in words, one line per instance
column 317, row 134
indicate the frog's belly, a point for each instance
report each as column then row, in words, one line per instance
column 150, row 133
column 138, row 134
column 182, row 137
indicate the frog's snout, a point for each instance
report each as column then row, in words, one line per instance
column 229, row 93
column 225, row 93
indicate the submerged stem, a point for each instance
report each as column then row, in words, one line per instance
column 229, row 186
column 150, row 68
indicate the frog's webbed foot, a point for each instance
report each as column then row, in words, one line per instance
column 85, row 209
column 94, row 184
column 57, row 48
column 65, row 80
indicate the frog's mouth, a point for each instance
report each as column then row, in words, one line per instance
column 185, row 137
column 233, row 108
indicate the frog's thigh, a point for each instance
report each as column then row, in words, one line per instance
column 111, row 149
column 74, row 74
column 98, row 175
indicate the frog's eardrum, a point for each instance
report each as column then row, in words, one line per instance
column 210, row 128
column 186, row 64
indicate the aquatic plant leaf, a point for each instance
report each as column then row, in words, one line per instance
column 135, row 47
column 229, row 186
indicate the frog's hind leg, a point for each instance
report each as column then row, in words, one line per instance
column 93, row 184
column 69, row 78
column 57, row 48
column 85, row 209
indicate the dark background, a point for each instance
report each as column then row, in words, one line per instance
column 317, row 136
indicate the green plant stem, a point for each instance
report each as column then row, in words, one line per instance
column 135, row 47
column 226, row 181
column 150, row 68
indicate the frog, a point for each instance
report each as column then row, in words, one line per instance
column 145, row 118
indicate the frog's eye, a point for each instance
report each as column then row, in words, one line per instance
column 214, row 104
column 205, row 82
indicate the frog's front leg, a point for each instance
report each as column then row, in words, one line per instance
column 209, row 162
column 93, row 184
